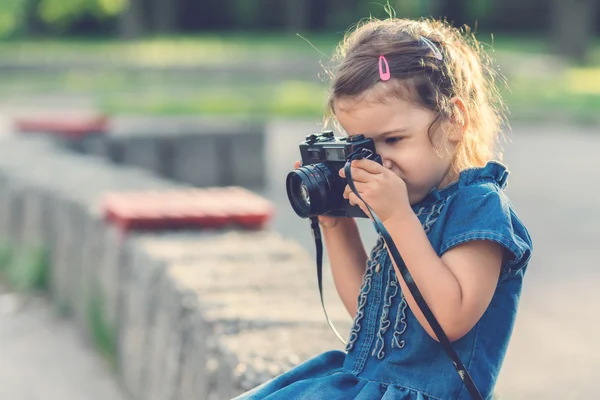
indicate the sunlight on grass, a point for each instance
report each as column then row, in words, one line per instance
column 298, row 98
column 570, row 95
column 215, row 88
column 215, row 48
column 584, row 80
column 287, row 98
column 208, row 49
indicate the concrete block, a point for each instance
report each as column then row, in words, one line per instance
column 5, row 211
column 261, row 309
column 165, row 344
column 88, row 303
column 60, row 288
column 15, row 197
column 112, row 278
column 139, row 305
column 96, row 145
column 145, row 152
column 247, row 155
column 221, row 380
column 198, row 160
column 232, row 245
column 195, row 151
column 197, row 332
column 196, row 315
column 36, row 219
column 73, row 264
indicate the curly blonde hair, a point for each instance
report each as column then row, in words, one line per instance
column 464, row 71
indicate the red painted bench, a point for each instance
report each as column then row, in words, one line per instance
column 187, row 209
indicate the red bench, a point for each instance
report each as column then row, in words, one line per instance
column 187, row 209
column 69, row 126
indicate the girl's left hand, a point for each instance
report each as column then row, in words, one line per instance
column 384, row 191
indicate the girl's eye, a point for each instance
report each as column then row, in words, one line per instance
column 393, row 140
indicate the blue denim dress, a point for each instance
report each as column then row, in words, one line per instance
column 389, row 355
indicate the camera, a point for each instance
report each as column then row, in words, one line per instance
column 316, row 188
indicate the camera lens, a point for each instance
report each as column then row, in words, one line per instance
column 304, row 195
column 314, row 189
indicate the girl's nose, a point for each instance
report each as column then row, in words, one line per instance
column 387, row 163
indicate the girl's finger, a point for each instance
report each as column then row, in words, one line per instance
column 368, row 165
column 297, row 164
column 352, row 199
column 359, row 188
column 358, row 175
column 355, row 201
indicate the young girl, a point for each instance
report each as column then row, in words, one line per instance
column 423, row 92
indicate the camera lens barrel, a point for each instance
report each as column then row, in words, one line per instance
column 311, row 189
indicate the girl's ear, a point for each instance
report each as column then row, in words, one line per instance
column 459, row 119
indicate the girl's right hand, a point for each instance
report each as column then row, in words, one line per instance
column 326, row 222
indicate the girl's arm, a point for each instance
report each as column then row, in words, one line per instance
column 458, row 287
column 348, row 260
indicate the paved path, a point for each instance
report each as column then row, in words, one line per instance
column 44, row 357
column 555, row 188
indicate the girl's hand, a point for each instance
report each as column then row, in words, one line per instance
column 384, row 191
column 326, row 222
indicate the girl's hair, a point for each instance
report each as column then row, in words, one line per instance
column 417, row 75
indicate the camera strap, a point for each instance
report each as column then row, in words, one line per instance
column 414, row 290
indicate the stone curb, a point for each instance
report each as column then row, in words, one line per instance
column 181, row 315
column 196, row 151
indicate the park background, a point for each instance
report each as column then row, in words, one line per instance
column 263, row 60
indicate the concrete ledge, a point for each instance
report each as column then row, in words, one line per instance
column 199, row 152
column 180, row 315
column 259, row 292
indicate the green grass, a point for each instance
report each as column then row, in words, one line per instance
column 218, row 48
column 539, row 85
column 102, row 333
column 27, row 271
column 153, row 93
column 208, row 49
column 574, row 94
column 5, row 257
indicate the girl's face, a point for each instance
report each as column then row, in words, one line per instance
column 400, row 131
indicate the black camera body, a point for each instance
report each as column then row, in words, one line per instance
column 316, row 187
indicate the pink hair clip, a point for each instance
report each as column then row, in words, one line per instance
column 384, row 75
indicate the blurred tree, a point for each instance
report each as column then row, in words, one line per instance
column 11, row 14
column 59, row 14
column 31, row 22
column 573, row 27
column 132, row 23
column 415, row 8
column 297, row 15
column 340, row 14
column 572, row 22
column 211, row 15
column 466, row 12
column 165, row 15
column 246, row 15
column 478, row 10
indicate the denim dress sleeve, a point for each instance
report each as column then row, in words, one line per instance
column 480, row 210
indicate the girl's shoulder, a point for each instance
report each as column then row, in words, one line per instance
column 476, row 207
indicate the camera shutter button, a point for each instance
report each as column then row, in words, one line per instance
column 355, row 138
